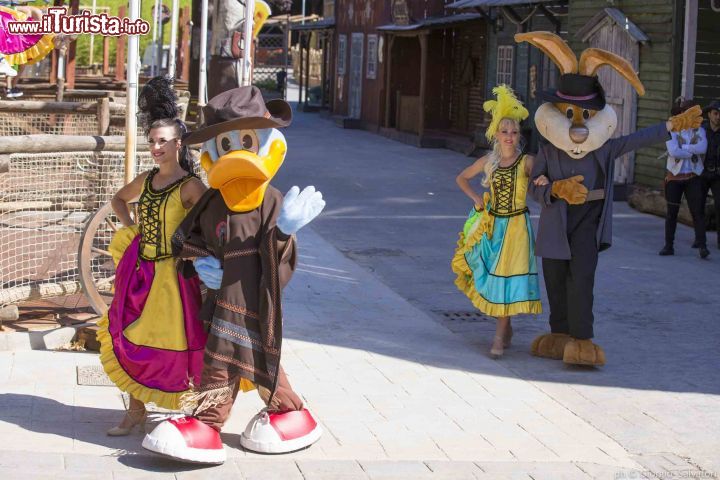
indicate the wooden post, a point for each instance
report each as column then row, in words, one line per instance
column 300, row 51
column 286, row 49
column 120, row 49
column 106, row 56
column 70, row 64
column 423, row 82
column 332, row 74
column 323, row 72
column 307, row 67
column 54, row 58
column 53, row 67
column 689, row 45
column 103, row 116
column 185, row 45
column 388, row 79
column 60, row 84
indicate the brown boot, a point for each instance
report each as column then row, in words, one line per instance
column 583, row 352
column 550, row 345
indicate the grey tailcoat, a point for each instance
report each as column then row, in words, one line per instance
column 552, row 238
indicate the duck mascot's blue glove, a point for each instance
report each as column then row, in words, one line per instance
column 299, row 209
column 209, row 271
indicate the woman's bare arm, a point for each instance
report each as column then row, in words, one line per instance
column 191, row 192
column 463, row 180
column 126, row 194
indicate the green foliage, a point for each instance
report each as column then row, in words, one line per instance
column 266, row 84
column 82, row 51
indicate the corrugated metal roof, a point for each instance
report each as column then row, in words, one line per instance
column 433, row 22
column 492, row 3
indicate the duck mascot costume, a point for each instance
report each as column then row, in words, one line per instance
column 576, row 217
column 240, row 235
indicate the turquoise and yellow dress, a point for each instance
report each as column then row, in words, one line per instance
column 495, row 257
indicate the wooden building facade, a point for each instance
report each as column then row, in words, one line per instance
column 358, row 61
column 436, row 77
column 423, row 68
column 658, row 62
column 409, row 69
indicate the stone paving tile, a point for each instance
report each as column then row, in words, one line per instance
column 668, row 465
column 382, row 470
column 15, row 474
column 127, row 475
column 30, row 461
column 86, row 463
column 458, row 470
column 27, row 436
column 356, row 451
column 276, row 469
column 226, row 471
column 6, row 364
column 533, row 470
column 320, row 470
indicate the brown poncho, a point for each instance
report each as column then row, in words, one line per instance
column 244, row 317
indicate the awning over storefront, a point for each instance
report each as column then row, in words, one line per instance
column 493, row 3
column 433, row 22
column 322, row 24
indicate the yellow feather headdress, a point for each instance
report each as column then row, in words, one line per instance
column 506, row 106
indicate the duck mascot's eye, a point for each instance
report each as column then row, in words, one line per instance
column 569, row 113
column 247, row 142
column 224, row 143
column 586, row 114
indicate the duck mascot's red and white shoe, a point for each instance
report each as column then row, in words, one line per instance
column 281, row 432
column 186, row 439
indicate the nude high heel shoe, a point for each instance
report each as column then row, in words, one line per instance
column 496, row 350
column 133, row 417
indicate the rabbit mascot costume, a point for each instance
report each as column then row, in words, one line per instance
column 576, row 217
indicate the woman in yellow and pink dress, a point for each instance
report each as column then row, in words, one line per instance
column 152, row 341
column 24, row 49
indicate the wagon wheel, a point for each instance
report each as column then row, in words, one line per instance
column 97, row 270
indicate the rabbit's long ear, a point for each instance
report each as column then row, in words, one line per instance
column 554, row 47
column 594, row 58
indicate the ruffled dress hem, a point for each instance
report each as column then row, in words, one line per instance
column 116, row 373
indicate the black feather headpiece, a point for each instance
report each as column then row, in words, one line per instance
column 158, row 100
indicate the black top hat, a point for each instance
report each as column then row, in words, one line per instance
column 237, row 109
column 581, row 90
column 714, row 105
column 681, row 106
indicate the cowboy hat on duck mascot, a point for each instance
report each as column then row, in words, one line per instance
column 576, row 217
column 241, row 234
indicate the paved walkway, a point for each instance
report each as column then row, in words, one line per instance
column 399, row 394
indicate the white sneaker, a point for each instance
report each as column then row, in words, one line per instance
column 6, row 69
column 14, row 93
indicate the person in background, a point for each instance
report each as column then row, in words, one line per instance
column 686, row 150
column 711, row 174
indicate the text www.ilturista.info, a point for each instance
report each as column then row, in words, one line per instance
column 57, row 21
